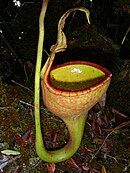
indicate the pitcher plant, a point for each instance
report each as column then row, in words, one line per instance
column 69, row 90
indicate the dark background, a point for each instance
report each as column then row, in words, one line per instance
column 99, row 42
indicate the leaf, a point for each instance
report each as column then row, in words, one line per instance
column 27, row 136
column 98, row 129
column 53, row 135
column 122, row 125
column 61, row 43
column 86, row 168
column 10, row 152
column 25, row 139
column 20, row 141
column 51, row 167
column 103, row 170
column 72, row 163
column 118, row 115
column 89, row 150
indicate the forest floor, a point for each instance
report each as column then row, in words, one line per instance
column 105, row 144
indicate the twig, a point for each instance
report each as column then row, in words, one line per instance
column 46, row 52
column 125, row 35
column 5, row 107
column 26, row 103
column 116, row 112
column 21, row 86
column 101, row 146
column 30, row 105
column 112, row 130
column 113, row 158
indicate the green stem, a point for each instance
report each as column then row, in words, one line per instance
column 39, row 59
column 38, row 70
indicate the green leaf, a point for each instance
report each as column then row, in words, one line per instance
column 10, row 152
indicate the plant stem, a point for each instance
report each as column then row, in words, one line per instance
column 38, row 69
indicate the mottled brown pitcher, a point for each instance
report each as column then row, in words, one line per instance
column 70, row 90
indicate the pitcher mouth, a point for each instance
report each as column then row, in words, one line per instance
column 99, row 81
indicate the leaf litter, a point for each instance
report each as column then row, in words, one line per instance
column 106, row 128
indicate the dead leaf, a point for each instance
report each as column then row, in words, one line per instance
column 53, row 135
column 19, row 141
column 98, row 129
column 89, row 150
column 27, row 136
column 25, row 139
column 118, row 115
column 72, row 163
column 61, row 43
column 51, row 167
column 124, row 124
column 86, row 168
column 103, row 170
